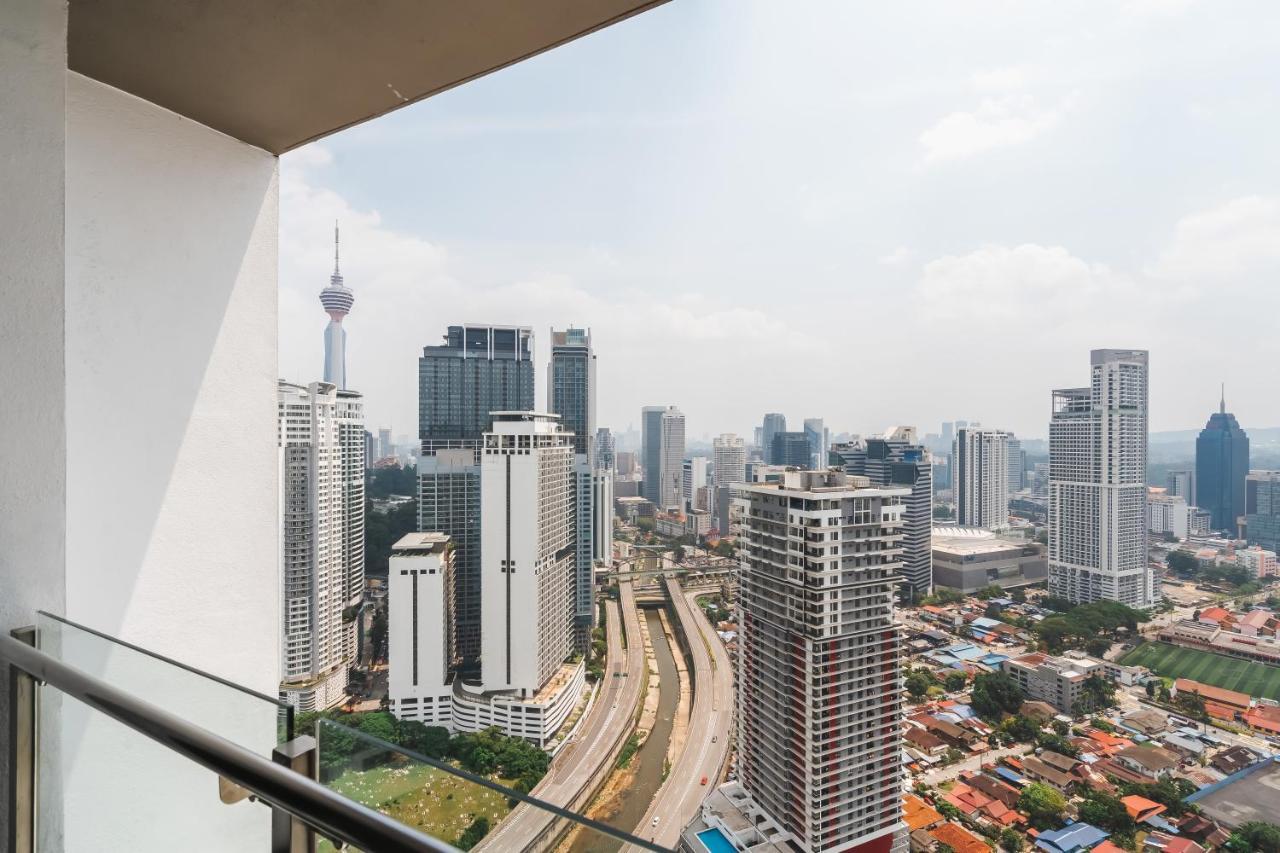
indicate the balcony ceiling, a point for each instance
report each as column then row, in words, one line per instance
column 280, row 73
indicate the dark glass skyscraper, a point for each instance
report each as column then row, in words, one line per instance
column 1222, row 463
column 791, row 448
column 571, row 394
column 774, row 422
column 476, row 371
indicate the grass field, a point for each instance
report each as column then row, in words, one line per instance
column 1256, row 679
column 431, row 800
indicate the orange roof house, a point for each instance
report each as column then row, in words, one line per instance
column 1264, row 717
column 918, row 814
column 1216, row 695
column 1140, row 808
column 959, row 839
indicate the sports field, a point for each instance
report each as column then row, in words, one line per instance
column 1256, row 679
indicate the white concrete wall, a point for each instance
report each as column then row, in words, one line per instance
column 171, row 530
column 493, row 581
column 33, row 50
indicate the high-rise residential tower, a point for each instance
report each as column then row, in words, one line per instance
column 729, row 458
column 1222, row 463
column 897, row 459
column 337, row 300
column 819, row 702
column 693, row 477
column 662, row 455
column 1097, row 485
column 774, row 422
column 321, row 443
column 527, row 552
column 980, row 458
column 1017, row 466
column 571, row 394
column 605, row 449
column 1262, row 509
column 478, row 370
column 816, row 435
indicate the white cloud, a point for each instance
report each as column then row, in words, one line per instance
column 1239, row 239
column 1008, row 78
column 896, row 258
column 998, row 122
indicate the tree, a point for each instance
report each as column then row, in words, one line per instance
column 379, row 724
column 1102, row 809
column 1060, row 728
column 995, row 693
column 953, row 755
column 1192, row 703
column 918, row 684
column 1255, row 835
column 473, row 834
column 955, row 680
column 943, row 513
column 1010, row 840
column 1183, row 564
column 1098, row 646
column 1042, row 804
column 1019, row 595
column 1150, row 687
column 1020, row 729
column 1043, row 537
column 990, row 591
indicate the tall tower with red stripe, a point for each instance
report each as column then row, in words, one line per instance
column 819, row 692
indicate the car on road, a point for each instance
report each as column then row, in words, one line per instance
column 655, row 820
column 714, row 738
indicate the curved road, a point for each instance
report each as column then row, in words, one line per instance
column 612, row 713
column 678, row 799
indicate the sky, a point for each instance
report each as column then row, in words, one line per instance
column 893, row 213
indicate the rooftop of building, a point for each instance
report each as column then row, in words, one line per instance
column 1249, row 795
column 421, row 543
column 1210, row 693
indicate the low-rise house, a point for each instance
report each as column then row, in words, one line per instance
column 1148, row 721
column 1219, row 616
column 1258, row 623
column 924, row 741
column 1140, row 808
column 1233, row 759
column 1187, row 747
column 1072, row 838
column 918, row 814
column 958, row 838
column 1148, row 763
column 951, row 733
column 1166, row 843
column 1219, row 703
column 1038, row 770
column 1265, row 718
column 994, row 788
column 1041, row 712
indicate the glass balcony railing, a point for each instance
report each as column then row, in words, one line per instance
column 118, row 748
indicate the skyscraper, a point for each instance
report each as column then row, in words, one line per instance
column 1262, row 509
column 527, row 552
column 791, row 448
column 1182, row 484
column 1097, row 485
column 981, row 477
column 419, row 628
column 571, row 394
column 729, row 455
column 898, row 459
column 662, row 455
column 1222, row 463
column 476, row 371
column 819, row 702
column 816, row 434
column 693, row 476
column 337, row 300
column 1017, row 466
column 774, row 422
column 605, row 447
column 321, row 439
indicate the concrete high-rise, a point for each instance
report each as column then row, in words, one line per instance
column 693, row 476
column 321, row 441
column 729, row 458
column 337, row 300
column 816, row 435
column 819, row 700
column 792, row 449
column 1097, row 485
column 897, row 458
column 1222, row 463
column 1182, row 484
column 571, row 394
column 662, row 455
column 1262, row 509
column 1017, row 466
column 774, row 422
column 420, row 628
column 980, row 479
column 605, row 449
column 527, row 552
column 476, row 371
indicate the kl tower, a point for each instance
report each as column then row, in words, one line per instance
column 337, row 301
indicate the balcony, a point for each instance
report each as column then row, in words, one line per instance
column 140, row 335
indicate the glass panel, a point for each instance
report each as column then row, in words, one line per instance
column 444, row 801
column 104, row 787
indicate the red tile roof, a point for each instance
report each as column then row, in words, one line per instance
column 917, row 813
column 1140, row 808
column 1265, row 717
column 959, row 839
column 1213, row 694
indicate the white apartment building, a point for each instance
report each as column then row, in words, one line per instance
column 527, row 552
column 1097, row 485
column 321, row 456
column 1260, row 562
column 602, row 516
column 729, row 458
column 1058, row 681
column 819, row 698
column 671, row 459
column 1168, row 514
column 980, row 477
column 420, row 628
column 693, row 477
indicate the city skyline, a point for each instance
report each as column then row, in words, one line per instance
column 671, row 251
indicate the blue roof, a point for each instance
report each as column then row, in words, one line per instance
column 1009, row 776
column 964, row 712
column 1076, row 836
column 994, row 658
column 1003, row 602
column 984, row 622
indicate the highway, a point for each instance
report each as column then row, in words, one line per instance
column 678, row 799
column 612, row 714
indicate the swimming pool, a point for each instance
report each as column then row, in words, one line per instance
column 715, row 842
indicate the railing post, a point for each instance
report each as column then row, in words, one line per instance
column 22, row 753
column 289, row 835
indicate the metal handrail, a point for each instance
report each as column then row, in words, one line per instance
column 327, row 811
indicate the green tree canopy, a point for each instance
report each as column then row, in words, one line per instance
column 1043, row 805
column 1255, row 835
column 995, row 693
